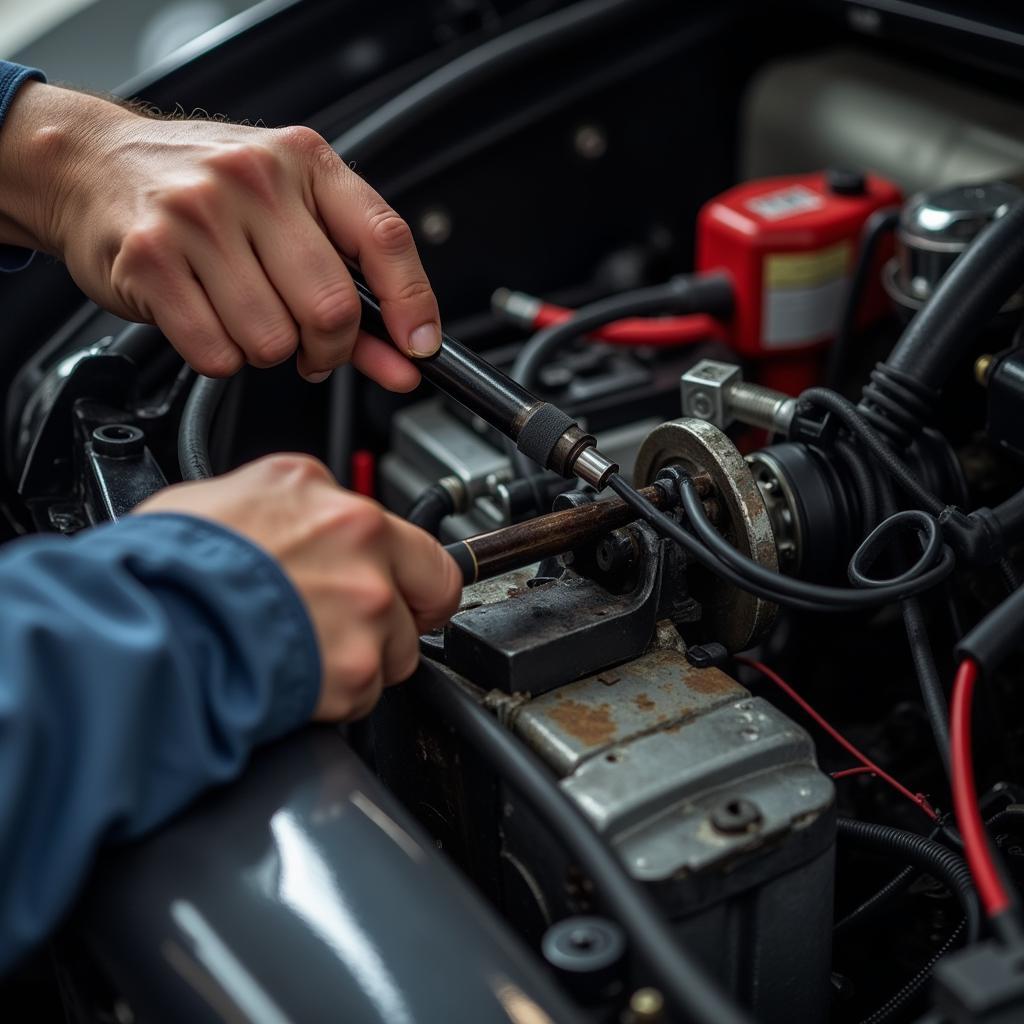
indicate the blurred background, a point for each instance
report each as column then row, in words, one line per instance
column 102, row 44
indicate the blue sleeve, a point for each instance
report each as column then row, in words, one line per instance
column 12, row 78
column 139, row 663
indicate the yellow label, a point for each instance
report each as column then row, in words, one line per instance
column 806, row 269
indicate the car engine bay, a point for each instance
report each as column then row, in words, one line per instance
column 685, row 751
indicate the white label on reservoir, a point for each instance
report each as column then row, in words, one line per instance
column 803, row 295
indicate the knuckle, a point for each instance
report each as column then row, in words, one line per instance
column 365, row 521
column 252, row 165
column 303, row 139
column 415, row 290
column 360, row 669
column 389, row 233
column 273, row 346
column 143, row 246
column 374, row 595
column 218, row 360
column 296, row 467
column 199, row 202
column 334, row 310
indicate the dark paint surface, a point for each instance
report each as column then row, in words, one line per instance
column 305, row 892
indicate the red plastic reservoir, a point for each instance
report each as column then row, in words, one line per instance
column 790, row 245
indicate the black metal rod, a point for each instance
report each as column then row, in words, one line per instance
column 463, row 375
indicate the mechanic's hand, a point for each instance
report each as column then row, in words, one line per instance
column 371, row 581
column 226, row 237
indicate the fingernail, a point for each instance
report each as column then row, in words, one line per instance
column 318, row 378
column 425, row 340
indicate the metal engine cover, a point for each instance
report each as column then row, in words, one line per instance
column 714, row 799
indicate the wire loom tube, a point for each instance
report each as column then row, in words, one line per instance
column 928, row 855
column 684, row 983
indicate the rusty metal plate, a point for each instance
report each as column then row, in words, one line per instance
column 658, row 691
column 735, row 618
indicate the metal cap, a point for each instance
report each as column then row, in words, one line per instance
column 935, row 227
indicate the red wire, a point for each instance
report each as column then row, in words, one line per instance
column 994, row 896
column 845, row 773
column 866, row 761
column 666, row 330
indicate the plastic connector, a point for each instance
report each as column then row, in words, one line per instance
column 983, row 984
column 977, row 538
column 813, row 425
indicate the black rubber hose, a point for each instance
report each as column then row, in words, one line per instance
column 850, row 416
column 927, row 854
column 471, row 70
column 864, row 482
column 194, row 432
column 711, row 294
column 431, row 507
column 710, row 547
column 876, row 227
column 968, row 297
column 1010, row 517
column 687, row 985
column 932, row 694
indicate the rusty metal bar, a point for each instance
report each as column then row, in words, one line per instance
column 512, row 547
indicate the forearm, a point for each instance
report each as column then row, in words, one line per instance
column 139, row 664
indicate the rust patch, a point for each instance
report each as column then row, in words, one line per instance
column 593, row 726
column 710, row 682
column 643, row 702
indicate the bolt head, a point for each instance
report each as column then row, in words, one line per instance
column 736, row 816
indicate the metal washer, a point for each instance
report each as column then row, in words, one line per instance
column 735, row 618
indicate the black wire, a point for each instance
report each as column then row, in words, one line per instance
column 431, row 507
column 714, row 552
column 864, row 911
column 927, row 854
column 1008, row 572
column 682, row 294
column 933, row 696
column 900, row 998
column 684, row 982
column 847, row 413
column 194, row 431
column 864, row 481
column 876, row 227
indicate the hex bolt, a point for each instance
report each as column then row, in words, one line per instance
column 616, row 552
column 716, row 392
column 736, row 816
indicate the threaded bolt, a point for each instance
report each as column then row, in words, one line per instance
column 758, row 406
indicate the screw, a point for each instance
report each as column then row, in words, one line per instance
column 590, row 142
column 982, row 368
column 701, row 405
column 646, row 1006
column 436, row 226
column 735, row 816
